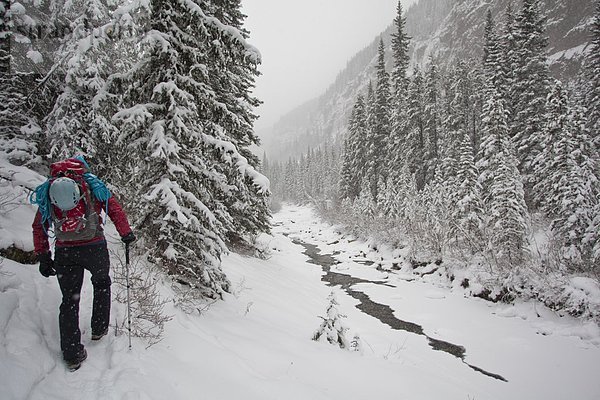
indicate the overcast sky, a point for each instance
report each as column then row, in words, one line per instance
column 305, row 43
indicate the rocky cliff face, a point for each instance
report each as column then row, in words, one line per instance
column 445, row 30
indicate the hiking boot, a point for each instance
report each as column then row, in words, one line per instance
column 98, row 336
column 73, row 365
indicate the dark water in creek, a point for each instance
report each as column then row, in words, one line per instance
column 382, row 312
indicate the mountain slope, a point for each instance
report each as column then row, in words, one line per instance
column 445, row 30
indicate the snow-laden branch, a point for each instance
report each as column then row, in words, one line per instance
column 133, row 115
column 169, row 192
column 252, row 52
column 161, row 144
column 229, row 149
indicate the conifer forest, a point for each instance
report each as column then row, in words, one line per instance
column 425, row 227
column 156, row 95
column 491, row 161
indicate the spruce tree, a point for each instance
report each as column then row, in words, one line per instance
column 530, row 87
column 229, row 13
column 415, row 141
column 195, row 185
column 550, row 166
column 37, row 28
column 502, row 188
column 396, row 155
column 333, row 173
column 457, row 106
column 352, row 170
column 13, row 96
column 567, row 177
column 400, row 43
column 76, row 123
column 290, row 177
column 576, row 220
column 387, row 199
column 21, row 67
column 380, row 127
column 468, row 212
column 593, row 238
column 492, row 55
column 432, row 124
column 508, row 57
column 232, row 72
column 592, row 73
column 404, row 189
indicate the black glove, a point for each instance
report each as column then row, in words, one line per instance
column 129, row 238
column 46, row 265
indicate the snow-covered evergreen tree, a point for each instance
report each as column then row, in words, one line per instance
column 428, row 215
column 549, row 166
column 468, row 212
column 400, row 43
column 290, row 188
column 364, row 205
column 396, row 154
column 492, row 55
column 405, row 188
column 457, row 111
column 566, row 168
column 330, row 169
column 13, row 97
column 508, row 47
column 333, row 329
column 592, row 237
column 387, row 198
column 530, row 87
column 592, row 89
column 353, row 164
column 577, row 220
column 196, row 187
column 380, row 127
column 432, row 123
column 415, row 140
column 85, row 58
column 233, row 71
column 25, row 91
column 502, row 188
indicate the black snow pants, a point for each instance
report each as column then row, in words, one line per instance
column 70, row 263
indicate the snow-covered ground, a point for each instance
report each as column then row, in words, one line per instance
column 257, row 343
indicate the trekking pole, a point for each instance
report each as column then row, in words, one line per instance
column 128, row 298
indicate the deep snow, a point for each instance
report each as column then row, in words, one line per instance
column 257, row 343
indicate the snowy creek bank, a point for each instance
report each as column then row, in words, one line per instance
column 523, row 346
column 380, row 311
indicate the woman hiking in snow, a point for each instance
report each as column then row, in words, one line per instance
column 71, row 201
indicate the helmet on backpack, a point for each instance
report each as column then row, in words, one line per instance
column 64, row 193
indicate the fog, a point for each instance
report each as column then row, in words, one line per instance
column 305, row 43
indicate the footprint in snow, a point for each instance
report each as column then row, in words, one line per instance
column 435, row 295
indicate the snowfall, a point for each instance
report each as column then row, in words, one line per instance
column 257, row 342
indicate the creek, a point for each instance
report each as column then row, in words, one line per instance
column 382, row 312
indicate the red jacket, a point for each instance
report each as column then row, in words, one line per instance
column 115, row 212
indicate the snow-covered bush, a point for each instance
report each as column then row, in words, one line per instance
column 428, row 222
column 148, row 316
column 581, row 296
column 356, row 344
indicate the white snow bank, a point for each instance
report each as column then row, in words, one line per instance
column 257, row 343
column 16, row 214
